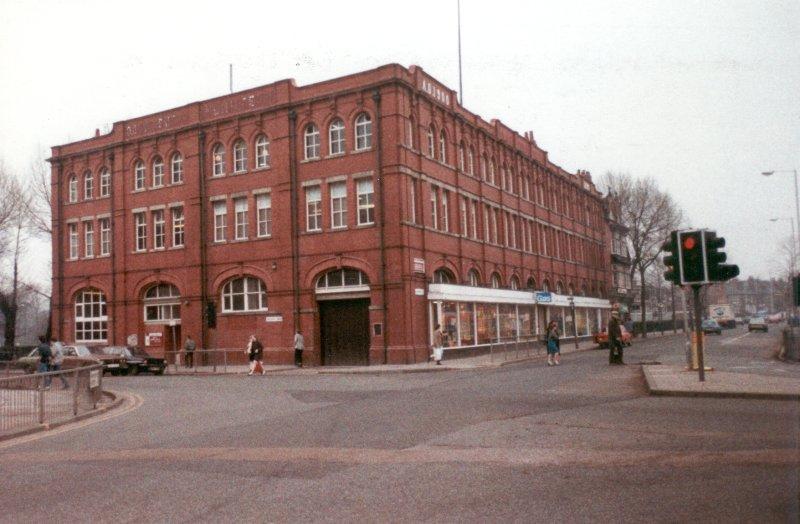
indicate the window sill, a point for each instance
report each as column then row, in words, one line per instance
column 248, row 312
column 106, row 255
column 309, row 160
column 263, row 237
column 361, row 226
column 239, row 240
column 312, row 232
column 217, row 242
column 174, row 248
column 89, row 257
column 237, row 173
column 340, row 228
column 263, row 168
column 336, row 155
column 359, row 151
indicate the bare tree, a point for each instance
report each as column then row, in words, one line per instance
column 650, row 215
column 9, row 205
column 37, row 205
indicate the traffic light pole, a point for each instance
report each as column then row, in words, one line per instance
column 698, row 331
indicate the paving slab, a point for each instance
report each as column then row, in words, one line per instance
column 677, row 381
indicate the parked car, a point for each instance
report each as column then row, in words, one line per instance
column 601, row 339
column 757, row 324
column 74, row 357
column 113, row 363
column 137, row 359
column 710, row 325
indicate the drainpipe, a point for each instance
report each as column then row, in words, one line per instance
column 201, row 149
column 113, row 251
column 57, row 225
column 295, row 218
column 376, row 97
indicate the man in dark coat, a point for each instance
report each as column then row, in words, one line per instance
column 614, row 340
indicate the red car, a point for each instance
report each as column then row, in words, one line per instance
column 601, row 339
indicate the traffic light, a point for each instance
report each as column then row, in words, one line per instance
column 692, row 261
column 211, row 314
column 717, row 271
column 670, row 248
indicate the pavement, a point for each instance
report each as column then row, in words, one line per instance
column 667, row 379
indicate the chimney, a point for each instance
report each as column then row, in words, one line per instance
column 97, row 131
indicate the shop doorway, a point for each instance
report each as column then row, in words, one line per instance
column 344, row 332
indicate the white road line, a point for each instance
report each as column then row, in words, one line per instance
column 130, row 402
column 734, row 339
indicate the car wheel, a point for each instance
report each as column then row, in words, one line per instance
column 133, row 370
column 159, row 372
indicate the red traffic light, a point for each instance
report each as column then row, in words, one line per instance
column 689, row 243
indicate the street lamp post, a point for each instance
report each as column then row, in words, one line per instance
column 796, row 199
column 574, row 320
column 794, row 242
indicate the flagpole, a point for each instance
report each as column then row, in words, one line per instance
column 460, row 86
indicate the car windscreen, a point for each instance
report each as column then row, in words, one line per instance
column 117, row 350
column 139, row 352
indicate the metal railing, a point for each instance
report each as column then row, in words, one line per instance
column 516, row 346
column 28, row 401
column 211, row 360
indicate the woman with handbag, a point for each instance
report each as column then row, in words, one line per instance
column 553, row 353
column 254, row 350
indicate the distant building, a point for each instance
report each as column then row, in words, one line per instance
column 362, row 210
column 621, row 286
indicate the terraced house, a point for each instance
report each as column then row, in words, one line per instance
column 362, row 210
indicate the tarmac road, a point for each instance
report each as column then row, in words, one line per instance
column 524, row 442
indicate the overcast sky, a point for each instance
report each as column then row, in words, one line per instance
column 700, row 95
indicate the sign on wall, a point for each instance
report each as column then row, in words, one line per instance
column 543, row 297
column 419, row 265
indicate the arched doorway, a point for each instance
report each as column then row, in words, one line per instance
column 343, row 300
column 162, row 318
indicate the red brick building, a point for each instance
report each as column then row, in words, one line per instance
column 361, row 210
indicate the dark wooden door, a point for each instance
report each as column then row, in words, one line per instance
column 344, row 327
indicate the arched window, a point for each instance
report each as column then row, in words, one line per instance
column 461, row 153
column 559, row 288
column 473, row 278
column 91, row 316
column 342, row 278
column 218, row 157
column 496, row 281
column 176, row 168
column 363, row 132
column 546, row 285
column 244, row 294
column 531, row 284
column 162, row 303
column 105, row 182
column 336, row 140
column 570, row 290
column 431, row 142
column 158, row 172
column 514, row 283
column 262, row 151
column 583, row 290
column 492, row 169
column 443, row 147
column 471, row 161
column 311, row 141
column 88, row 185
column 239, row 156
column 410, row 126
column 138, row 175
column 443, row 276
column 73, row 188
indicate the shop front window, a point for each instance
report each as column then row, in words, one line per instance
column 593, row 327
column 486, row 322
column 508, row 321
column 466, row 323
column 580, row 318
column 450, row 323
column 526, row 319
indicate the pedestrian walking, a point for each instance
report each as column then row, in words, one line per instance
column 254, row 351
column 189, row 346
column 614, row 340
column 45, row 354
column 299, row 346
column 438, row 344
column 57, row 359
column 553, row 351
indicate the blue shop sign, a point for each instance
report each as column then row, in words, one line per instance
column 543, row 297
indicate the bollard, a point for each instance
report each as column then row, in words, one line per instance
column 75, row 394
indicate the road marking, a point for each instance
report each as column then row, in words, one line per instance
column 734, row 339
column 130, row 403
column 417, row 455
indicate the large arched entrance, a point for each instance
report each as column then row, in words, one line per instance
column 343, row 300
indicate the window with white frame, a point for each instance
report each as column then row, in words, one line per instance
column 239, row 156
column 338, row 192
column 431, row 143
column 492, row 170
column 412, row 201
column 140, row 225
column 336, row 143
column 264, row 211
column 471, row 160
column 72, row 230
column 162, row 303
column 138, row 176
column 473, row 218
column 342, row 278
column 159, row 233
column 443, row 147
column 472, row 278
column 443, row 276
column 513, row 231
column 73, row 188
column 366, row 201
column 486, row 220
column 496, row 283
column 461, row 153
column 244, row 294
column 311, row 142
column 463, row 209
column 158, row 172
column 88, row 239
column 483, row 167
column 176, row 168
column 105, row 182
column 91, row 316
column 262, row 151
column 445, row 210
column 240, row 218
column 434, row 207
column 88, row 185
column 363, row 132
column 410, row 133
column 514, row 284
column 220, row 220
column 105, row 236
column 495, row 237
column 218, row 160
column 313, row 209
column 178, row 226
